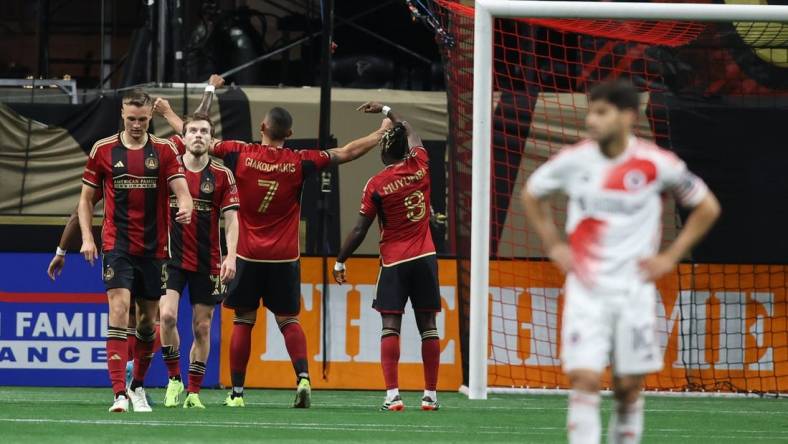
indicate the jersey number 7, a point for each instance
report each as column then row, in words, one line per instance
column 272, row 186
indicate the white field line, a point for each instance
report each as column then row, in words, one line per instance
column 283, row 426
column 364, row 407
column 673, row 433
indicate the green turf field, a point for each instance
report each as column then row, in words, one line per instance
column 79, row 415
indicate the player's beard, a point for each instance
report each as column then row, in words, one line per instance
column 198, row 149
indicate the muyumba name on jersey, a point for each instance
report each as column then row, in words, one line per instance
column 270, row 167
column 396, row 184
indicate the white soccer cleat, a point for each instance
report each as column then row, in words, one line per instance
column 139, row 400
column 394, row 404
column 121, row 405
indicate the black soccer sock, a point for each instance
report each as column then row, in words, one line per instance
column 135, row 383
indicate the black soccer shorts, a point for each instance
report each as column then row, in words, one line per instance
column 278, row 284
column 204, row 288
column 143, row 276
column 416, row 280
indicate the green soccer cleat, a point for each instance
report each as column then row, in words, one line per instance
column 192, row 401
column 173, row 394
column 303, row 398
column 238, row 401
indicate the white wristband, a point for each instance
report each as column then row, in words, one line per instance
column 210, row 88
column 60, row 251
column 386, row 110
column 339, row 266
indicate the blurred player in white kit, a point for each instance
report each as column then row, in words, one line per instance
column 615, row 184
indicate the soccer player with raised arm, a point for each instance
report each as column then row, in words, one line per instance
column 615, row 183
column 195, row 254
column 195, row 258
column 399, row 195
column 270, row 178
column 134, row 169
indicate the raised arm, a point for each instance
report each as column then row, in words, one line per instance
column 350, row 245
column 375, row 107
column 358, row 147
column 216, row 81
column 162, row 106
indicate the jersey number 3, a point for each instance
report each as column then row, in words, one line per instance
column 272, row 186
column 416, row 206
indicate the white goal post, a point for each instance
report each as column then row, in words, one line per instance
column 485, row 12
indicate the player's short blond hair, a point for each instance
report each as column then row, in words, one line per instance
column 137, row 97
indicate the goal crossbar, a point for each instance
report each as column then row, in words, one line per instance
column 485, row 11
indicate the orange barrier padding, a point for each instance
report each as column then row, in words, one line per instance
column 353, row 335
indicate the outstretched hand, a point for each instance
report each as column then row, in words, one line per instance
column 370, row 107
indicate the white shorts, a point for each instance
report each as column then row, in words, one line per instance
column 610, row 328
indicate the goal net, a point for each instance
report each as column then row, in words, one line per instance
column 714, row 93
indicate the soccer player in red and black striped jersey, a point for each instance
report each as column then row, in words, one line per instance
column 134, row 169
column 270, row 178
column 195, row 258
column 399, row 196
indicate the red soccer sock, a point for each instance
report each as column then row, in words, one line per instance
column 131, row 341
column 430, row 356
column 196, row 375
column 172, row 359
column 389, row 357
column 117, row 351
column 240, row 347
column 295, row 341
column 143, row 354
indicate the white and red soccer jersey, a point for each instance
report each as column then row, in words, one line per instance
column 269, row 182
column 615, row 205
column 400, row 197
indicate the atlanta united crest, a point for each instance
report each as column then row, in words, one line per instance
column 207, row 187
column 109, row 273
column 151, row 163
